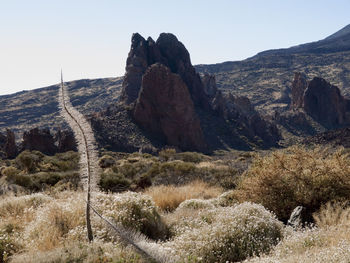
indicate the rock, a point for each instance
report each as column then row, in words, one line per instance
column 65, row 141
column 296, row 219
column 167, row 51
column 299, row 86
column 209, row 85
column 10, row 145
column 136, row 65
column 179, row 62
column 164, row 107
column 40, row 140
column 324, row 103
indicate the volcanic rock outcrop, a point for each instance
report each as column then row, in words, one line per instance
column 320, row 100
column 173, row 105
column 8, row 144
column 164, row 107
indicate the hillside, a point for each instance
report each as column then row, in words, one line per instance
column 39, row 108
column 266, row 78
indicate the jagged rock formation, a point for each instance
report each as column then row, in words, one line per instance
column 40, row 140
column 324, row 102
column 65, row 141
column 299, row 85
column 175, row 106
column 164, row 107
column 8, row 144
column 320, row 100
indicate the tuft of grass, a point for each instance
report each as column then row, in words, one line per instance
column 168, row 198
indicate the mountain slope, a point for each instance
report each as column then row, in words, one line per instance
column 39, row 108
column 266, row 78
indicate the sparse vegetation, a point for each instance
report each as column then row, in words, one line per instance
column 192, row 220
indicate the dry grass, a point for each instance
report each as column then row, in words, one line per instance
column 333, row 214
column 169, row 197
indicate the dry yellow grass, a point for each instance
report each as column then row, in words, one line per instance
column 168, row 198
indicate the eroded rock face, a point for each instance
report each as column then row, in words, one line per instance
column 40, row 140
column 323, row 102
column 168, row 51
column 164, row 107
column 8, row 144
column 65, row 141
column 299, row 86
column 209, row 85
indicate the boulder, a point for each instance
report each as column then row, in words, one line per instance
column 164, row 107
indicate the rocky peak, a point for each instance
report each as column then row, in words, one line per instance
column 324, row 102
column 299, row 86
column 168, row 51
column 164, row 107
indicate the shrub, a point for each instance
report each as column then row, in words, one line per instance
column 8, row 247
column 106, row 161
column 196, row 204
column 134, row 211
column 226, row 199
column 10, row 171
column 28, row 160
column 167, row 154
column 193, row 157
column 115, row 182
column 296, row 176
column 168, row 198
column 235, row 234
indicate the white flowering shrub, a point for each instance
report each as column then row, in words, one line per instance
column 133, row 211
column 196, row 204
column 229, row 234
column 226, row 199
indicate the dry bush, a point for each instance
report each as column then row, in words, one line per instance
column 133, row 211
column 96, row 252
column 168, row 198
column 21, row 207
column 296, row 176
column 53, row 222
column 228, row 234
column 333, row 214
column 315, row 245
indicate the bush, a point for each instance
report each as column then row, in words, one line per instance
column 106, row 161
column 10, row 171
column 296, row 176
column 8, row 247
column 28, row 160
column 115, row 182
column 134, row 211
column 193, row 157
column 196, row 204
column 235, row 234
column 167, row 154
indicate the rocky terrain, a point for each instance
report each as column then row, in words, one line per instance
column 231, row 100
column 168, row 100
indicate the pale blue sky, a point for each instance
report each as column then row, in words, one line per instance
column 91, row 39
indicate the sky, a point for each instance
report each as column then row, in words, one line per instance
column 91, row 39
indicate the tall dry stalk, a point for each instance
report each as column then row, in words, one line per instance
column 89, row 170
column 86, row 145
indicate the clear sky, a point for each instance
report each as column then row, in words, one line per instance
column 91, row 39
